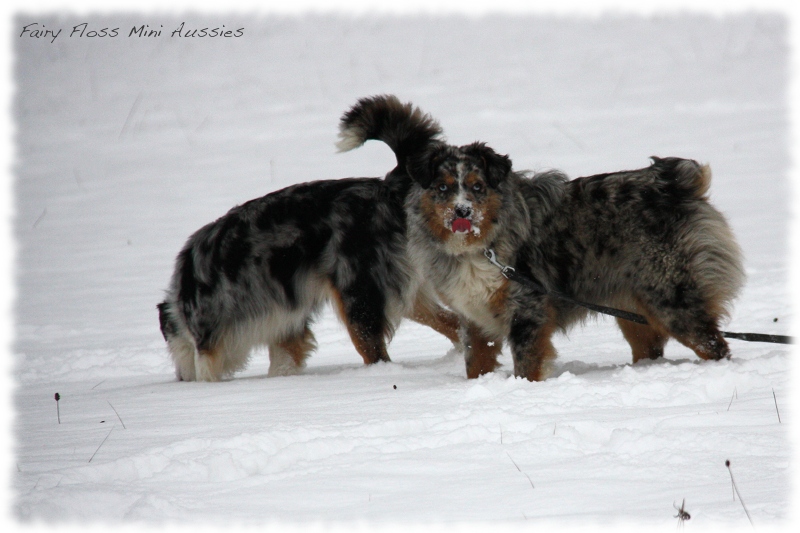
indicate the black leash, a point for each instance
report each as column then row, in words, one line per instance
column 511, row 273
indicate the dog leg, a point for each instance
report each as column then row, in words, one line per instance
column 480, row 351
column 437, row 318
column 369, row 344
column 366, row 325
column 530, row 342
column 182, row 351
column 289, row 357
column 646, row 342
column 694, row 327
column 208, row 364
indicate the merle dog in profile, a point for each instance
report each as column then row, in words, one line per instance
column 646, row 241
column 259, row 274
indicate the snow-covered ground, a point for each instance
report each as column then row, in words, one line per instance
column 127, row 145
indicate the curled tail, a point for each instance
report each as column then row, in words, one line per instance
column 405, row 128
column 687, row 173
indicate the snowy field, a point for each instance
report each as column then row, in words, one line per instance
column 127, row 145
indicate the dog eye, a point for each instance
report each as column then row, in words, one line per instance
column 478, row 187
column 443, row 187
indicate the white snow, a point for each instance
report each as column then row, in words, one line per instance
column 125, row 146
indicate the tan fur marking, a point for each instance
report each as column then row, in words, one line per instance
column 499, row 300
column 434, row 215
column 712, row 347
column 646, row 342
column 482, row 352
column 545, row 352
column 489, row 209
column 436, row 317
column 208, row 364
column 704, row 183
column 299, row 347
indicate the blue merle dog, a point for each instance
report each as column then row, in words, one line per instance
column 258, row 275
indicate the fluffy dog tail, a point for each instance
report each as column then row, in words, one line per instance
column 688, row 174
column 405, row 128
column 716, row 259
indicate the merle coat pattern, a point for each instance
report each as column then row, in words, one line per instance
column 259, row 274
column 646, row 241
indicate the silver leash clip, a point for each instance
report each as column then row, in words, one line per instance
column 492, row 257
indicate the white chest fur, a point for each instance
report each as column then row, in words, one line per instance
column 470, row 288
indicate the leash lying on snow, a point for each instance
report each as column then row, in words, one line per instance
column 510, row 273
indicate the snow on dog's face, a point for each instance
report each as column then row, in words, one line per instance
column 461, row 201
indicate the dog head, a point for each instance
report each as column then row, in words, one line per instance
column 461, row 193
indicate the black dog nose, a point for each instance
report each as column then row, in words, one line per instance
column 463, row 211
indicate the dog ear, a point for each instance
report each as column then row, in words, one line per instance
column 495, row 166
column 422, row 166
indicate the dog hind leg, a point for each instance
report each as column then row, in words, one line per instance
column 646, row 341
column 694, row 327
column 289, row 356
column 365, row 320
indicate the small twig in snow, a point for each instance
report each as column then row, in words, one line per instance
column 521, row 472
column 40, row 218
column 131, row 113
column 734, row 395
column 116, row 413
column 101, row 445
column 735, row 488
column 776, row 406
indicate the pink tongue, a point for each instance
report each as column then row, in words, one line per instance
column 461, row 225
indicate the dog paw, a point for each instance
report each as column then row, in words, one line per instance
column 284, row 369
